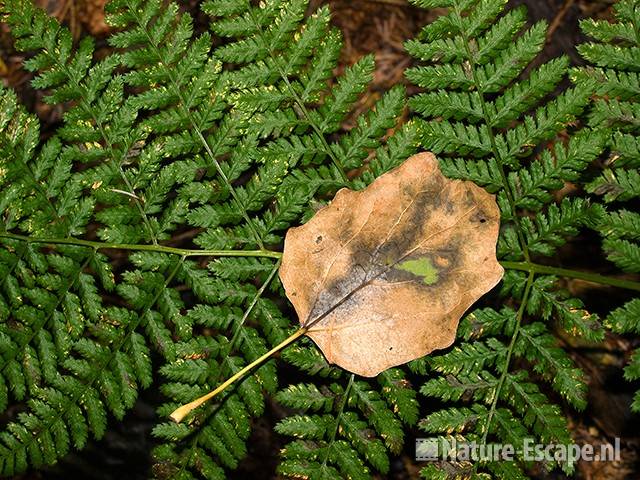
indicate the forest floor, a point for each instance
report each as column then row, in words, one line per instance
column 379, row 27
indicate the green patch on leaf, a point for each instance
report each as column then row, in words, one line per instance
column 421, row 267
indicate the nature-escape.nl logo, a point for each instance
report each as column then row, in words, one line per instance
column 449, row 449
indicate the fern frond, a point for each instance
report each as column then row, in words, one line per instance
column 533, row 185
column 621, row 185
column 362, row 430
column 487, row 322
column 623, row 253
column 482, row 172
column 548, row 230
column 171, row 135
column 537, row 345
column 546, row 299
column 454, row 419
column 615, row 58
column 490, row 120
column 620, row 224
column 545, row 419
column 477, row 386
column 49, row 360
column 625, row 319
column 471, row 357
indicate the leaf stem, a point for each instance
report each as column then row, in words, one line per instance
column 179, row 413
column 226, row 354
column 148, row 248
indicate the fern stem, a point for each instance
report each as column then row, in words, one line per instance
column 343, row 404
column 148, row 248
column 505, row 369
column 136, row 199
column 179, row 413
column 564, row 272
column 264, row 253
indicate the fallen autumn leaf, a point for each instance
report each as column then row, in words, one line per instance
column 382, row 276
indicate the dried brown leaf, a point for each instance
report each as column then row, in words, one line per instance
column 382, row 276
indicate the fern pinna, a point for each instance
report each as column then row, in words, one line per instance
column 484, row 110
column 168, row 137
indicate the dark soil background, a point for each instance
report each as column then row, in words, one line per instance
column 379, row 27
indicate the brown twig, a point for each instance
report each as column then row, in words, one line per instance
column 399, row 3
column 558, row 19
